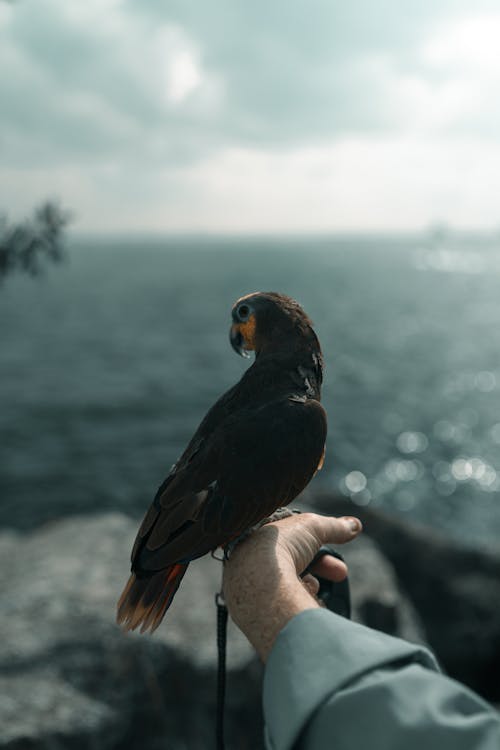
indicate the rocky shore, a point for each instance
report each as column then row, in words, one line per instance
column 71, row 679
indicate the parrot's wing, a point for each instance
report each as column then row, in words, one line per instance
column 255, row 461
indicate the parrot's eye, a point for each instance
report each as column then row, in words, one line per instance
column 243, row 312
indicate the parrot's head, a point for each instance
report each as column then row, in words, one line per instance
column 268, row 321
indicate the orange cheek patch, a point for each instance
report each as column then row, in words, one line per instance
column 247, row 330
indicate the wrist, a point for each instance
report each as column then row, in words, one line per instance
column 261, row 605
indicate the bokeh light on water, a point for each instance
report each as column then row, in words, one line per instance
column 412, row 442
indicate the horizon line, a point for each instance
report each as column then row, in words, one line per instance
column 433, row 231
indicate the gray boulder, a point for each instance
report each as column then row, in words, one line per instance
column 72, row 679
column 376, row 597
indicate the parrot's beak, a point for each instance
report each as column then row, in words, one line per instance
column 237, row 341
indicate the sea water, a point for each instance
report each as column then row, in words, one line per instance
column 109, row 362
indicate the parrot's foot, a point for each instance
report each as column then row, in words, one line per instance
column 278, row 515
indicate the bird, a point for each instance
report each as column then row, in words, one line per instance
column 256, row 449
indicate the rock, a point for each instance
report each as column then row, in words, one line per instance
column 38, row 708
column 85, row 682
column 376, row 597
column 454, row 589
column 72, row 679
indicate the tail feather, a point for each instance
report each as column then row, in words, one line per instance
column 145, row 599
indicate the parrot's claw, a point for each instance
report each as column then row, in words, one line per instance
column 278, row 515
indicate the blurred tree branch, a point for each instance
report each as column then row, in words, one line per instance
column 27, row 245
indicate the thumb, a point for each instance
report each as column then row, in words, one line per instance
column 332, row 530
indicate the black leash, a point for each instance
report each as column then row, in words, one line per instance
column 335, row 596
column 221, row 669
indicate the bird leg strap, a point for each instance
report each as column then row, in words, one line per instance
column 221, row 669
column 278, row 514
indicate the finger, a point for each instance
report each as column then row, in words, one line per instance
column 311, row 583
column 333, row 530
column 331, row 568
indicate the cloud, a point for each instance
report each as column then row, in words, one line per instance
column 381, row 183
column 94, row 84
column 170, row 108
column 464, row 56
column 301, row 71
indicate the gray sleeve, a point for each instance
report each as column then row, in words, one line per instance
column 330, row 682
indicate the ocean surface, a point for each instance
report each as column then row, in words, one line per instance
column 108, row 363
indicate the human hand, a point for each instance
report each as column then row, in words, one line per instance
column 262, row 585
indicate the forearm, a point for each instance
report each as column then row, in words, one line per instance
column 330, row 681
column 262, row 605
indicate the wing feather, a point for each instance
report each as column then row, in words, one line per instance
column 256, row 461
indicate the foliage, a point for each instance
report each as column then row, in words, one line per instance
column 28, row 245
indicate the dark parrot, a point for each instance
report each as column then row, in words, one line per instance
column 255, row 450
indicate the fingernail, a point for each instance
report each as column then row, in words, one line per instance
column 353, row 523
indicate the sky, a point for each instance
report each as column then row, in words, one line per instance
column 237, row 116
